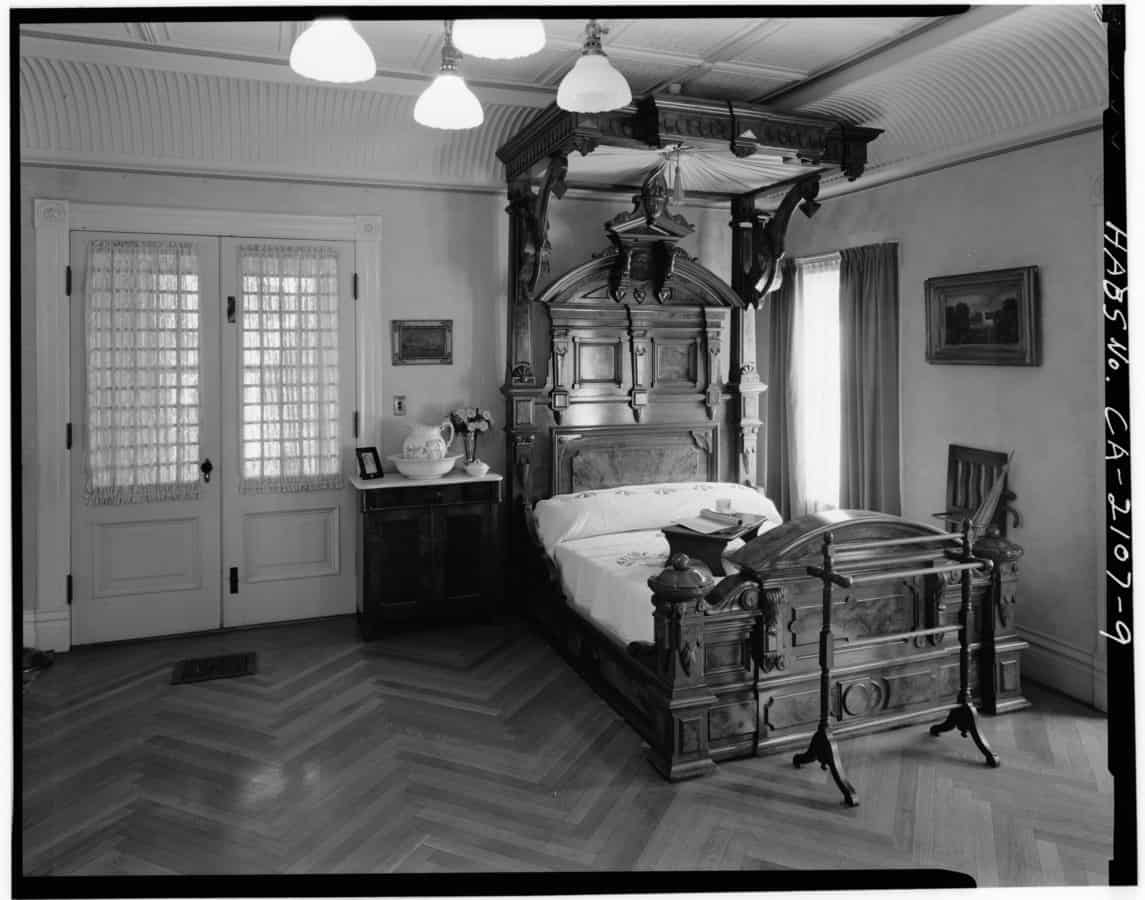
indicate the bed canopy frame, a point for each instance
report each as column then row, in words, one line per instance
column 654, row 289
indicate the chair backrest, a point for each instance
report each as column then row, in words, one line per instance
column 972, row 487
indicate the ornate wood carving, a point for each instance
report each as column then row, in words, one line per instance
column 521, row 372
column 692, row 284
column 768, row 235
column 533, row 211
column 644, row 239
column 664, row 120
column 610, row 455
column 714, row 321
column 559, row 396
column 860, row 613
column 732, row 592
column 640, row 343
column 522, row 457
column 702, row 439
column 745, row 378
column 553, row 130
column 745, row 128
column 678, row 625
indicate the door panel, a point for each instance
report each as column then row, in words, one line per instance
column 282, row 544
column 145, row 378
column 287, row 408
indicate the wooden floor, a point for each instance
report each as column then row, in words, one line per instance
column 478, row 749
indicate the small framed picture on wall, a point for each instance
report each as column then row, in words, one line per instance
column 369, row 463
column 422, row 342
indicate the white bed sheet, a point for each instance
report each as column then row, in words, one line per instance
column 606, row 578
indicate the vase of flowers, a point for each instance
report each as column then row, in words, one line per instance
column 469, row 421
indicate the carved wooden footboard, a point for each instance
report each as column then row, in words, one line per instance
column 733, row 670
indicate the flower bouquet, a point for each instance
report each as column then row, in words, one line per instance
column 469, row 421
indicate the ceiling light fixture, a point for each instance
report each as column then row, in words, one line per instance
column 499, row 38
column 331, row 50
column 593, row 85
column 448, row 102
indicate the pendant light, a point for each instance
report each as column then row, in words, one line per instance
column 448, row 102
column 331, row 50
column 498, row 38
column 593, row 85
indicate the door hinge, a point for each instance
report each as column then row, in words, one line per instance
column 355, row 423
column 231, row 309
column 355, row 285
column 234, row 579
column 69, row 589
column 68, row 436
column 67, row 281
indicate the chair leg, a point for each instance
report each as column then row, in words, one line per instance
column 824, row 751
column 964, row 717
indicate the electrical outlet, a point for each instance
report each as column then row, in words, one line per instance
column 399, row 404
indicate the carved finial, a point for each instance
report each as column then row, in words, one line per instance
column 680, row 561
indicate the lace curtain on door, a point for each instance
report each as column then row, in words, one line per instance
column 289, row 416
column 142, row 343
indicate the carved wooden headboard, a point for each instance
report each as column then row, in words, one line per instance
column 603, row 456
column 644, row 381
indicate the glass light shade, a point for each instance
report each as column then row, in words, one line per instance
column 448, row 103
column 331, row 50
column 593, row 85
column 498, row 38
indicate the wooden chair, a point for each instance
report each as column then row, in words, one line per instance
column 976, row 490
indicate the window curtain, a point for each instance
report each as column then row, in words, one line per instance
column 813, row 394
column 289, row 332
column 780, row 338
column 869, row 357
column 142, row 371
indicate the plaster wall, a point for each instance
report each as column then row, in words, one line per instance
column 444, row 256
column 1037, row 206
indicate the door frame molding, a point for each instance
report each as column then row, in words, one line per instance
column 46, row 482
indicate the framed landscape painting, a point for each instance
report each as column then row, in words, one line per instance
column 984, row 318
column 422, row 342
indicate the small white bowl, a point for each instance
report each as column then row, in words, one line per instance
column 477, row 468
column 423, row 467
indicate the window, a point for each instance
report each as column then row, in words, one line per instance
column 142, row 371
column 816, row 384
column 289, row 402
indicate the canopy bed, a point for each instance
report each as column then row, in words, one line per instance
column 633, row 403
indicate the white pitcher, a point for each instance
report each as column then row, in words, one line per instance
column 428, row 441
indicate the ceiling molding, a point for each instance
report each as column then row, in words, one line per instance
column 992, row 79
column 182, row 59
column 894, row 53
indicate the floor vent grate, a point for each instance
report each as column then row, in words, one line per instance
column 232, row 665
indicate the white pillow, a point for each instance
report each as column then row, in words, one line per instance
column 568, row 517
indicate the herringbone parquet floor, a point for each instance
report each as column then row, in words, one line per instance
column 478, row 749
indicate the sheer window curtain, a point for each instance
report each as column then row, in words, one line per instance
column 142, row 371
column 289, row 415
column 814, row 390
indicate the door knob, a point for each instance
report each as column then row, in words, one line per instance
column 206, row 468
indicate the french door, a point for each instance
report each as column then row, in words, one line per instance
column 212, row 395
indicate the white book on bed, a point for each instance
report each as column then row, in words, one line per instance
column 703, row 525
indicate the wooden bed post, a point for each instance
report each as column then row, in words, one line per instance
column 681, row 746
column 528, row 261
column 745, row 380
